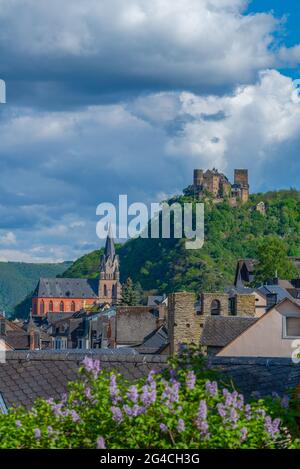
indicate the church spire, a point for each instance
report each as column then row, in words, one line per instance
column 110, row 245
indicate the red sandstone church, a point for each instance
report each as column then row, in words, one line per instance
column 64, row 295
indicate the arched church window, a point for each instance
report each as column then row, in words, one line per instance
column 42, row 307
column 215, row 308
column 61, row 307
column 73, row 308
column 51, row 307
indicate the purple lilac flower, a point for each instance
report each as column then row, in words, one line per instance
column 221, row 410
column 50, row 430
column 233, row 416
column 114, row 390
column 190, row 380
column 211, row 388
column 133, row 394
column 163, row 427
column 117, row 414
column 240, row 402
column 150, row 378
column 18, row 423
column 100, row 443
column 285, row 402
column 244, row 433
column 201, row 422
column 88, row 393
column 181, row 425
column 148, row 395
column 171, row 393
column 272, row 427
column 133, row 411
column 75, row 417
column 248, row 411
column 57, row 409
column 37, row 433
column 91, row 366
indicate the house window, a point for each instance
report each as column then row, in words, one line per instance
column 61, row 307
column 51, row 307
column 292, row 327
column 80, row 344
column 232, row 306
column 42, row 307
column 215, row 308
column 60, row 343
column 73, row 307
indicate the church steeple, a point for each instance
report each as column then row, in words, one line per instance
column 109, row 285
column 110, row 245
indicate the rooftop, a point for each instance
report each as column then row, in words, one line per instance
column 218, row 331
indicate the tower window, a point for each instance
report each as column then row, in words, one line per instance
column 105, row 290
column 215, row 308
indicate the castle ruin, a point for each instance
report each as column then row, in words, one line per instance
column 217, row 185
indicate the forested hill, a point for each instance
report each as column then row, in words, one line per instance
column 18, row 279
column 231, row 233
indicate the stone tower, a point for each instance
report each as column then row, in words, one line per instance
column 110, row 289
column 241, row 181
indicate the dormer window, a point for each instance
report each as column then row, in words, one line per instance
column 292, row 327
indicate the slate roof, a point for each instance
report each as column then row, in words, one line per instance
column 28, row 375
column 281, row 292
column 262, row 376
column 155, row 342
column 25, row 376
column 67, row 288
column 218, row 331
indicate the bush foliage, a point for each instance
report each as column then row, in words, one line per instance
column 184, row 407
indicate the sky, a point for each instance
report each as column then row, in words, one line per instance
column 112, row 97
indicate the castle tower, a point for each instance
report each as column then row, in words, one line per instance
column 198, row 177
column 109, row 290
column 241, row 181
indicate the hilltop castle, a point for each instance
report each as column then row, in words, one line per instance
column 216, row 184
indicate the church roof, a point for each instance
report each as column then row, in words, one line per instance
column 67, row 288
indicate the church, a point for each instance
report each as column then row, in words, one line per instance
column 68, row 295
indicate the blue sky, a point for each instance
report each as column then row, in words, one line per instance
column 118, row 97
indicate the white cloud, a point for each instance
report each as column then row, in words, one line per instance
column 8, row 238
column 243, row 128
column 178, row 43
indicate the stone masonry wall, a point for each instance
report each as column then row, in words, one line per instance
column 207, row 298
column 245, row 305
column 184, row 325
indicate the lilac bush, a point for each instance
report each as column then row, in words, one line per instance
column 181, row 408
